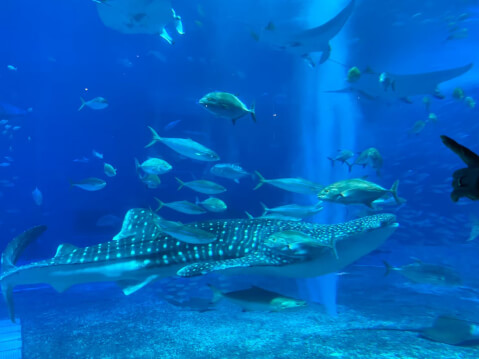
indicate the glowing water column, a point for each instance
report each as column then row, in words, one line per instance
column 329, row 123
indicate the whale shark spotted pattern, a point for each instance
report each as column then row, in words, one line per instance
column 140, row 253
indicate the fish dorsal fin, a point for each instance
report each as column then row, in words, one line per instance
column 139, row 223
column 466, row 155
column 64, row 249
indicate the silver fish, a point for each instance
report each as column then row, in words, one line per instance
column 296, row 185
column 185, row 146
column 181, row 206
column 202, row 186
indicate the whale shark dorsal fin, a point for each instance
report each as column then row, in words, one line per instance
column 466, row 155
column 64, row 249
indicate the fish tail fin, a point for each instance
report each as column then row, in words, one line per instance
column 10, row 256
column 249, row 215
column 217, row 295
column 160, row 204
column 137, row 164
column 262, row 180
column 350, row 166
column 332, row 161
column 388, row 268
column 265, row 209
column 252, row 112
column 83, row 103
column 394, row 191
column 180, row 182
column 155, row 137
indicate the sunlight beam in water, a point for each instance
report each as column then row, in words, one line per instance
column 328, row 124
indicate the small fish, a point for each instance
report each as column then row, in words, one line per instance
column 37, row 196
column 171, row 125
column 432, row 117
column 425, row 273
column 226, row 105
column 458, row 93
column 97, row 154
column 356, row 191
column 16, row 128
column 194, row 303
column 90, row 184
column 3, row 122
column 470, row 102
column 294, row 240
column 98, row 103
column 296, row 185
column 229, row 170
column 181, row 206
column 12, row 68
column 213, row 204
column 474, row 229
column 275, row 216
column 342, row 156
column 354, row 74
column 294, row 210
column 186, row 233
column 8, row 158
column 151, row 181
column 82, row 160
column 427, row 102
column 371, row 157
column 202, row 186
column 5, row 164
column 257, row 299
column 185, row 146
column 109, row 170
column 154, row 166
column 417, row 127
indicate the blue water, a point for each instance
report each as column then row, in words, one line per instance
column 62, row 51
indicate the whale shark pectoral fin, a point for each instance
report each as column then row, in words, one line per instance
column 131, row 286
column 255, row 259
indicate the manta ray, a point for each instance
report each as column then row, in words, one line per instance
column 141, row 253
column 140, row 17
column 311, row 40
column 388, row 86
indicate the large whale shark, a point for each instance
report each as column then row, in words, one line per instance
column 141, row 253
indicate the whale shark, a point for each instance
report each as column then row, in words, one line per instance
column 305, row 42
column 141, row 253
column 389, row 87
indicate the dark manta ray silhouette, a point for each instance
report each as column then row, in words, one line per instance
column 466, row 180
column 446, row 330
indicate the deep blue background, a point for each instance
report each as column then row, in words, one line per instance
column 61, row 48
